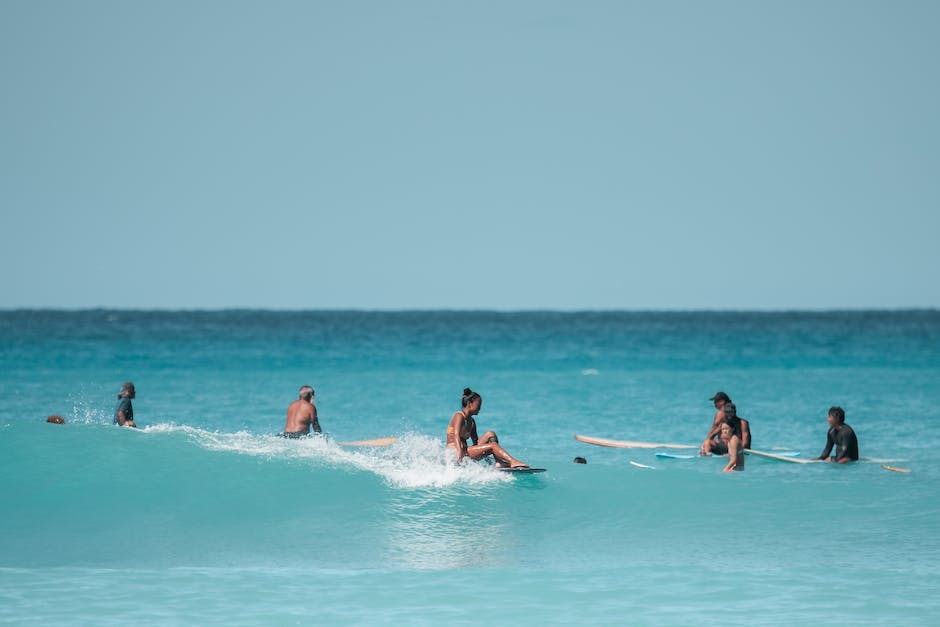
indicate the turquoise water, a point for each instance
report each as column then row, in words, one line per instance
column 201, row 516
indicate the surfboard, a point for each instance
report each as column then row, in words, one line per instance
column 375, row 442
column 779, row 458
column 639, row 465
column 893, row 469
column 629, row 443
column 675, row 456
column 519, row 470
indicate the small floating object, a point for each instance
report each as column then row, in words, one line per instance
column 55, row 419
column 639, row 465
column 893, row 469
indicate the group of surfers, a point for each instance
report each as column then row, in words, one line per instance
column 729, row 434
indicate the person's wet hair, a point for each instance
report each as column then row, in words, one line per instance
column 838, row 413
column 734, row 423
column 580, row 460
column 126, row 388
column 468, row 397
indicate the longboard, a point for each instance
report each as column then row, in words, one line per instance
column 519, row 469
column 375, row 442
column 679, row 456
column 629, row 443
column 779, row 458
column 794, row 460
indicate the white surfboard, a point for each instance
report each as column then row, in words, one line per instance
column 629, row 443
column 779, row 458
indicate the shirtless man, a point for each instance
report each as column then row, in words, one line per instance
column 301, row 415
column 462, row 426
column 712, row 443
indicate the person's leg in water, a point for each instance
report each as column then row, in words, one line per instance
column 479, row 451
column 714, row 447
column 489, row 436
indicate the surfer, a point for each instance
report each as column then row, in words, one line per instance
column 712, row 443
column 842, row 437
column 463, row 426
column 302, row 415
column 730, row 431
column 124, row 414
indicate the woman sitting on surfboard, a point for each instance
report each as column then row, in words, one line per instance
column 731, row 433
column 463, row 426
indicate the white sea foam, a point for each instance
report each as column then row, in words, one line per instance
column 413, row 461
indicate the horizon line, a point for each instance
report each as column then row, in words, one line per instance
column 664, row 310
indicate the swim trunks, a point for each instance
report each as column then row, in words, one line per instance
column 294, row 435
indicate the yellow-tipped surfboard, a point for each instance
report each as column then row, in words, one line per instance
column 375, row 442
column 628, row 443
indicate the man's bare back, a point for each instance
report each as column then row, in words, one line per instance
column 302, row 415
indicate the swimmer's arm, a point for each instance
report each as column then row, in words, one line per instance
column 121, row 418
column 473, row 433
column 716, row 427
column 733, row 444
column 314, row 421
column 745, row 432
column 830, row 442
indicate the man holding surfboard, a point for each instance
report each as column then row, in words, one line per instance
column 842, row 437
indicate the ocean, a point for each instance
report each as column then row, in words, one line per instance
column 203, row 516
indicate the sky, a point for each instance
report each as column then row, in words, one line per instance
column 469, row 155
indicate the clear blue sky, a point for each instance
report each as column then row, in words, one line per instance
column 439, row 154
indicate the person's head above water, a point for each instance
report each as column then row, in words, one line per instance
column 127, row 390
column 306, row 393
column 719, row 399
column 729, row 427
column 730, row 410
column 470, row 399
column 836, row 416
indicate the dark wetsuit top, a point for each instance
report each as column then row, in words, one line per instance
column 124, row 405
column 845, row 442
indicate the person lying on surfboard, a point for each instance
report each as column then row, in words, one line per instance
column 842, row 437
column 302, row 415
column 712, row 443
column 463, row 426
